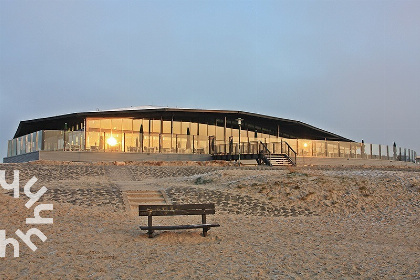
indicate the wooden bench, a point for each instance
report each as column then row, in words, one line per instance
column 174, row 210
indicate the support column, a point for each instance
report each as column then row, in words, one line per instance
column 123, row 142
column 85, row 132
column 362, row 150
column 172, row 133
column 339, row 150
column 380, row 151
column 394, row 151
column 224, row 137
column 326, row 148
column 312, row 148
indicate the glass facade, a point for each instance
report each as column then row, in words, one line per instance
column 132, row 135
column 47, row 140
column 152, row 136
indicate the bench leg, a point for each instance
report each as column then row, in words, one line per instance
column 149, row 223
column 203, row 221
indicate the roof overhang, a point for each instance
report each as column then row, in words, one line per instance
column 288, row 128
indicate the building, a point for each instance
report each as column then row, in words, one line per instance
column 179, row 134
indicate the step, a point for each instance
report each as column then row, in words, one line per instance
column 136, row 198
column 135, row 207
column 140, row 195
column 145, row 199
column 279, row 160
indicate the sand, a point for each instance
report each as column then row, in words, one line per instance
column 325, row 222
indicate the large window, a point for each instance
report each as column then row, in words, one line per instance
column 166, row 127
column 177, row 127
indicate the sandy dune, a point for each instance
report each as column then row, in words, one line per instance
column 300, row 223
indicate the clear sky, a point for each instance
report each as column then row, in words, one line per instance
column 349, row 67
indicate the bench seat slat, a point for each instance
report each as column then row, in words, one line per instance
column 181, row 209
column 178, row 227
column 178, row 206
column 175, row 212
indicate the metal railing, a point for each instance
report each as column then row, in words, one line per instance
column 263, row 151
column 286, row 149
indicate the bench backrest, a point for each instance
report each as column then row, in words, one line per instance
column 171, row 210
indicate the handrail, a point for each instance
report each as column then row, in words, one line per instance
column 288, row 152
column 264, row 151
column 265, row 147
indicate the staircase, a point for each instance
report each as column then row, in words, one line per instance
column 278, row 160
column 270, row 159
column 136, row 198
column 282, row 155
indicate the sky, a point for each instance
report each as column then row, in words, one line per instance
column 348, row 67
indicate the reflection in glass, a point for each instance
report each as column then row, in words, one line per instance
column 177, row 127
column 127, row 125
column 166, row 127
column 155, row 126
column 113, row 142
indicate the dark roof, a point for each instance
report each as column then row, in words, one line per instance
column 252, row 121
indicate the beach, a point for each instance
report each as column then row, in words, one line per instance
column 308, row 222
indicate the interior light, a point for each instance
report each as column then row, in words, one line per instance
column 305, row 145
column 111, row 141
